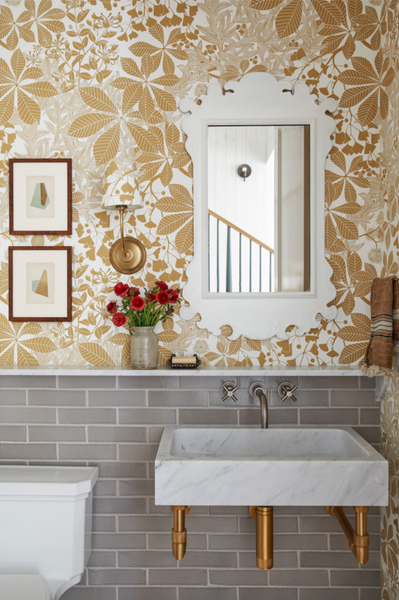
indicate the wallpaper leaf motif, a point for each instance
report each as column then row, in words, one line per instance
column 28, row 109
column 145, row 140
column 169, row 50
column 13, row 338
column 149, row 64
column 44, row 345
column 48, row 20
column 42, row 89
column 24, row 358
column 6, row 109
column 120, row 338
column 17, row 63
column 107, row 144
column 265, row 4
column 98, row 100
column 170, row 223
column 328, row 12
column 389, row 515
column 32, row 328
column 390, row 403
column 170, row 204
column 368, row 80
column 13, row 29
column 289, row 18
column 88, row 125
column 113, row 77
column 95, row 354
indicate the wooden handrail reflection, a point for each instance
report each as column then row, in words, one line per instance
column 239, row 230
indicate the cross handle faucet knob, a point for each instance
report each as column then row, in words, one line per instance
column 286, row 390
column 228, row 390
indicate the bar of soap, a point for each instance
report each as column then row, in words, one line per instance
column 184, row 360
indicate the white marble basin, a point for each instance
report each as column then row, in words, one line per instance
column 268, row 467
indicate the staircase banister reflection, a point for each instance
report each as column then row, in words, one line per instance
column 239, row 230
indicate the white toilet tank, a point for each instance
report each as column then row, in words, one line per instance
column 45, row 522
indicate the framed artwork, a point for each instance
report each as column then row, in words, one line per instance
column 40, row 283
column 40, row 196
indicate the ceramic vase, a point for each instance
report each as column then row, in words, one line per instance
column 144, row 346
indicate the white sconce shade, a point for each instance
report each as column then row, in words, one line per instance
column 121, row 187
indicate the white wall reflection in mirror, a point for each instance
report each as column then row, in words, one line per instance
column 259, row 226
column 284, row 135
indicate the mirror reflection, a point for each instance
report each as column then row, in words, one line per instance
column 258, row 208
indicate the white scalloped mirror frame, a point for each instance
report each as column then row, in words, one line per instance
column 258, row 99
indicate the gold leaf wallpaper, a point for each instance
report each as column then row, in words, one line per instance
column 389, row 515
column 97, row 80
column 390, row 403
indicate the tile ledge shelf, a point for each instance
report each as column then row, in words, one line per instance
column 272, row 371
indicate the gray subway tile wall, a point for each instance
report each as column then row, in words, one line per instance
column 116, row 423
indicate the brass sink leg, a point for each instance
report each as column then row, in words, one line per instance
column 179, row 532
column 358, row 540
column 264, row 536
column 361, row 538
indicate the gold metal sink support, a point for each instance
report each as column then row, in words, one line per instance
column 264, row 535
column 358, row 540
column 179, row 532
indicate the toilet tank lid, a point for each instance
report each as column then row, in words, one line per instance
column 20, row 480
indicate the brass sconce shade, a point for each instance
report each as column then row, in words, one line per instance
column 121, row 192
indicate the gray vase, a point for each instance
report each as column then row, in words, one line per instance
column 144, row 348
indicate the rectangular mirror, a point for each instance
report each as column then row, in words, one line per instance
column 258, row 208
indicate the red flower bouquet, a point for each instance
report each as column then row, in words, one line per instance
column 146, row 309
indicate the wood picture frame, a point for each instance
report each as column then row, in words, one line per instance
column 40, row 283
column 40, row 194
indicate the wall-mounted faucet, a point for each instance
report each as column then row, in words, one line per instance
column 258, row 390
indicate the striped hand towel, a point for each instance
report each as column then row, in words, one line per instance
column 384, row 327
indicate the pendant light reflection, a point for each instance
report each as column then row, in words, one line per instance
column 244, row 171
column 121, row 192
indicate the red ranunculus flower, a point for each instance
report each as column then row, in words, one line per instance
column 173, row 296
column 142, row 308
column 137, row 303
column 163, row 297
column 121, row 289
column 112, row 307
column 162, row 285
column 119, row 319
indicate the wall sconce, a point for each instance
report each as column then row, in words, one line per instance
column 121, row 192
column 244, row 171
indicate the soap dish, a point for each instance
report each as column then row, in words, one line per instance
column 184, row 365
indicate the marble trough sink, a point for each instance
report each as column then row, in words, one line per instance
column 268, row 467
